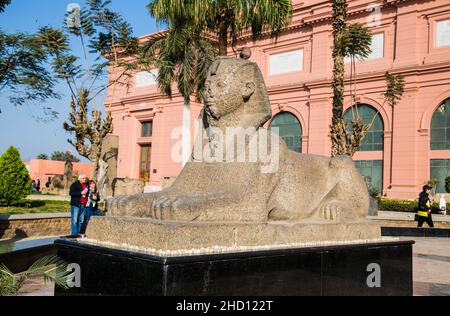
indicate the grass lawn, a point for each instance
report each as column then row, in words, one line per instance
column 36, row 207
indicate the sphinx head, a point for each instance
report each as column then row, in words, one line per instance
column 235, row 93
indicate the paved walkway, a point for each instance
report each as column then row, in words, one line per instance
column 37, row 287
column 401, row 219
column 432, row 267
column 384, row 215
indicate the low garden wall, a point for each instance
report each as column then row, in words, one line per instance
column 34, row 225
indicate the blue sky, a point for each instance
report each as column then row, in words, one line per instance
column 21, row 126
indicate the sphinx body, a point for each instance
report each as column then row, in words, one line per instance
column 228, row 183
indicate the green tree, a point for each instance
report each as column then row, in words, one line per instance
column 106, row 40
column 229, row 19
column 353, row 41
column 15, row 181
column 3, row 4
column 24, row 63
column 338, row 128
column 42, row 157
column 357, row 43
column 64, row 156
column 183, row 56
column 23, row 69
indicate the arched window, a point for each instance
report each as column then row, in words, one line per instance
column 371, row 170
column 440, row 127
column 440, row 140
column 290, row 130
column 374, row 140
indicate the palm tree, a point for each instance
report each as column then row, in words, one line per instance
column 338, row 128
column 229, row 19
column 183, row 55
column 353, row 41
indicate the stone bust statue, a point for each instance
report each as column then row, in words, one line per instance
column 229, row 180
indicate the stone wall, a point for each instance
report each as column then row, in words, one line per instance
column 34, row 225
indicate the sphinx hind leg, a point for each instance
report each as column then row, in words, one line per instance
column 349, row 196
column 335, row 207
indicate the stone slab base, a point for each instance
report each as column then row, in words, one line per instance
column 141, row 234
column 415, row 232
column 360, row 270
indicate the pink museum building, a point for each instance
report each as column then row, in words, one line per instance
column 407, row 145
column 45, row 170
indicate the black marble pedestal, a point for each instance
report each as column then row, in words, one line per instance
column 337, row 270
column 19, row 256
column 415, row 232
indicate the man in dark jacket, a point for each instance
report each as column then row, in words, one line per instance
column 425, row 205
column 76, row 208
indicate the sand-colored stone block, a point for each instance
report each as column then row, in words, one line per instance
column 170, row 235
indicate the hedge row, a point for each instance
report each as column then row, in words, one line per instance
column 404, row 206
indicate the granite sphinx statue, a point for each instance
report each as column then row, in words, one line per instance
column 224, row 181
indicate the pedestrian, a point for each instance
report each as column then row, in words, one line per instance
column 443, row 205
column 78, row 195
column 33, row 186
column 92, row 203
column 38, row 185
column 84, row 202
column 425, row 205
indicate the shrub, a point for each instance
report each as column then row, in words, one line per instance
column 406, row 206
column 397, row 205
column 374, row 193
column 447, row 184
column 15, row 181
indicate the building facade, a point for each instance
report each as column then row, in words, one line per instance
column 45, row 170
column 407, row 146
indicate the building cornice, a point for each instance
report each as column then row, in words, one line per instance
column 362, row 78
column 300, row 86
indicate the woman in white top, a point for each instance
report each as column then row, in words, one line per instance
column 443, row 205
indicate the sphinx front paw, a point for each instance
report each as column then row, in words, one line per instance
column 331, row 211
column 136, row 205
column 179, row 208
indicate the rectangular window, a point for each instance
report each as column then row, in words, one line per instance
column 286, row 62
column 146, row 78
column 372, row 171
column 440, row 169
column 147, row 129
column 443, row 33
column 377, row 46
column 145, row 171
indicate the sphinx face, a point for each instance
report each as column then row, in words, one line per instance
column 222, row 94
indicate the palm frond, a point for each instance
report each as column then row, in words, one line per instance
column 10, row 284
column 395, row 88
column 51, row 268
column 182, row 56
column 357, row 41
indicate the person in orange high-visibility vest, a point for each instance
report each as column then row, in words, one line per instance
column 425, row 204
